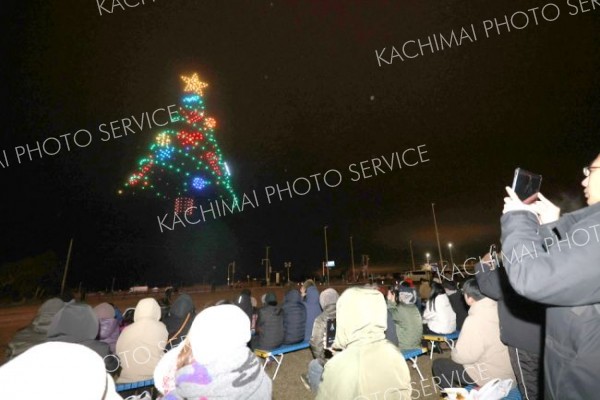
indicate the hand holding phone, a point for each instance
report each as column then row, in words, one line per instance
column 526, row 185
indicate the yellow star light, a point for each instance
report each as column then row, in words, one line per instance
column 194, row 84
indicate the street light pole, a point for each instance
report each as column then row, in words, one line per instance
column 267, row 266
column 427, row 255
column 451, row 259
column 326, row 255
column 288, row 265
column 437, row 235
column 412, row 256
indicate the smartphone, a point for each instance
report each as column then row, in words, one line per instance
column 330, row 337
column 526, row 185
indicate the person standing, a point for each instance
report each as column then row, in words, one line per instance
column 554, row 260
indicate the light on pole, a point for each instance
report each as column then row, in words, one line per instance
column 288, row 265
column 427, row 255
column 326, row 254
column 451, row 259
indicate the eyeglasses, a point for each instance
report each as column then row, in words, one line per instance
column 588, row 170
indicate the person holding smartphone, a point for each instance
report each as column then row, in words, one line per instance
column 554, row 260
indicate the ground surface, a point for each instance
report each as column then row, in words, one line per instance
column 287, row 385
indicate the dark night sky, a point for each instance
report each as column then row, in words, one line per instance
column 296, row 90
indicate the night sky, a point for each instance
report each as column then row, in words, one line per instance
column 297, row 89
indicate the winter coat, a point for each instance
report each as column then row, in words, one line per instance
column 36, row 332
column 269, row 328
column 244, row 301
column 440, row 316
column 141, row 344
column 222, row 368
column 179, row 319
column 369, row 366
column 566, row 278
column 460, row 308
column 294, row 317
column 408, row 324
column 390, row 332
column 109, row 325
column 521, row 320
column 313, row 309
column 317, row 346
column 479, row 348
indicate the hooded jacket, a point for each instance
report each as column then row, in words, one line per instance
column 244, row 301
column 77, row 323
column 313, row 309
column 369, row 365
column 109, row 325
column 294, row 317
column 479, row 348
column 56, row 370
column 179, row 319
column 223, row 367
column 328, row 300
column 565, row 276
column 409, row 325
column 36, row 332
column 141, row 344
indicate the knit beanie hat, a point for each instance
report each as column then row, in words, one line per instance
column 57, row 370
column 104, row 311
column 270, row 298
column 327, row 297
column 407, row 295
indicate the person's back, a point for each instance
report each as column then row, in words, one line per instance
column 438, row 314
column 141, row 345
column 179, row 319
column 109, row 325
column 409, row 326
column 313, row 309
column 294, row 317
column 36, row 332
column 479, row 348
column 244, row 301
column 368, row 365
column 269, row 325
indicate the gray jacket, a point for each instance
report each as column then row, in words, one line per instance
column 317, row 345
column 559, row 264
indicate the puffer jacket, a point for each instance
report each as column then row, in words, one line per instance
column 565, row 276
column 408, row 323
column 269, row 328
column 313, row 309
column 317, row 346
column 294, row 317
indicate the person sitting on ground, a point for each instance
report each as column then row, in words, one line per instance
column 328, row 300
column 457, row 302
column 390, row 332
column 179, row 319
column 109, row 325
column 368, row 365
column 294, row 317
column 57, row 370
column 36, row 332
column 77, row 323
column 311, row 302
column 478, row 356
column 214, row 361
column 141, row 344
column 406, row 317
column 244, row 301
column 269, row 325
column 438, row 314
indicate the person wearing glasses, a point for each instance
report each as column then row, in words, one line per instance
column 555, row 260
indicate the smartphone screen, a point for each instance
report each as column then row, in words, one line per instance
column 526, row 185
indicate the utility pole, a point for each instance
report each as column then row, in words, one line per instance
column 437, row 235
column 326, row 255
column 64, row 279
column 412, row 256
column 288, row 265
column 267, row 266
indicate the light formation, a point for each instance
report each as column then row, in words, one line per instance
column 184, row 160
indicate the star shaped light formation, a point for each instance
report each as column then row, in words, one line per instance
column 194, row 84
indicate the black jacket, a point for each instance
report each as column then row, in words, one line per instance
column 460, row 308
column 567, row 278
column 269, row 328
column 522, row 321
column 294, row 317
